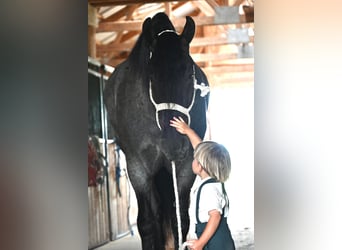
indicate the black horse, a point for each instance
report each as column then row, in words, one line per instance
column 158, row 81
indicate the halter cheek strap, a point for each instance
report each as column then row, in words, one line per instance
column 174, row 106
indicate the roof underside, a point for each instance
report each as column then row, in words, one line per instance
column 223, row 46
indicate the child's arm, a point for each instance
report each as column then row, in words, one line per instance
column 210, row 228
column 184, row 129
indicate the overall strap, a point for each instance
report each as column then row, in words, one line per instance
column 212, row 180
column 225, row 195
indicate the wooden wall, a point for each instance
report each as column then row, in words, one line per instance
column 98, row 225
column 103, row 224
column 119, row 194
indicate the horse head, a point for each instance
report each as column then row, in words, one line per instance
column 173, row 75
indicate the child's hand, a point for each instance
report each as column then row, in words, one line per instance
column 194, row 245
column 183, row 128
column 179, row 124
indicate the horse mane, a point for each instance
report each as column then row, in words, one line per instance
column 139, row 57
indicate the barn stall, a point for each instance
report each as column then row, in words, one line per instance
column 109, row 200
column 223, row 47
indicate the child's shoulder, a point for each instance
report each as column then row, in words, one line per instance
column 212, row 187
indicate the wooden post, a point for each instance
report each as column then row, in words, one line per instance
column 92, row 25
column 168, row 9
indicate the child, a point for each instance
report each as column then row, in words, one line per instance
column 208, row 199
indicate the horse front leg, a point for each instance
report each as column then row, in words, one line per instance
column 149, row 218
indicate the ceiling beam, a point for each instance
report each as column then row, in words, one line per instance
column 238, row 2
column 101, row 3
column 128, row 10
column 207, row 57
column 218, row 79
column 222, row 83
column 196, row 42
column 212, row 41
column 205, row 8
column 200, row 58
column 178, row 23
column 231, row 68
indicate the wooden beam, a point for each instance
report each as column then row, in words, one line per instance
column 238, row 2
column 230, row 69
column 177, row 5
column 137, row 25
column 168, row 9
column 229, row 78
column 91, row 41
column 212, row 41
column 196, row 42
column 101, row 3
column 205, row 8
column 232, row 84
column 92, row 23
column 128, row 10
column 223, row 62
column 213, row 3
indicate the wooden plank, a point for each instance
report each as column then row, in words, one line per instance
column 100, row 3
column 229, row 79
column 128, row 10
column 212, row 3
column 205, row 8
column 231, row 75
column 127, row 46
column 168, row 9
column 177, row 22
column 238, row 68
column 205, row 57
column 118, row 204
column 238, row 2
column 232, row 84
column 97, row 216
column 227, row 59
column 212, row 41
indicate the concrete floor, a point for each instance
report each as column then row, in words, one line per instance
column 244, row 240
column 128, row 242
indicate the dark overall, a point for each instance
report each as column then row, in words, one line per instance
column 222, row 238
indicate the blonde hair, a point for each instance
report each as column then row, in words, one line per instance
column 214, row 158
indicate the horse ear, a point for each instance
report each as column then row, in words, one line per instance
column 146, row 29
column 189, row 29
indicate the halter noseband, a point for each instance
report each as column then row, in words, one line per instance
column 174, row 106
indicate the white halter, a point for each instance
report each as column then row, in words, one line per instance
column 166, row 31
column 174, row 106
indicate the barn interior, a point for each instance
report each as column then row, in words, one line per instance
column 223, row 47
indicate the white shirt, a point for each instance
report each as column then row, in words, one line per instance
column 211, row 198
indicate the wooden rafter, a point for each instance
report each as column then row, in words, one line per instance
column 205, row 8
column 99, row 3
column 127, row 46
column 121, row 13
column 136, row 25
column 210, row 47
column 238, row 2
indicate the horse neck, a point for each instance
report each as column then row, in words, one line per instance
column 139, row 57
